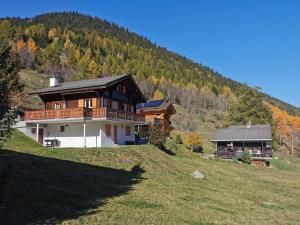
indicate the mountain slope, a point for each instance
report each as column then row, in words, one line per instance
column 88, row 47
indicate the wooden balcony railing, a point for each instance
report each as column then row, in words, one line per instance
column 254, row 153
column 81, row 112
column 114, row 114
column 55, row 114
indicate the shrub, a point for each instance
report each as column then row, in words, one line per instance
column 178, row 139
column 246, row 156
column 193, row 139
column 197, row 148
column 156, row 137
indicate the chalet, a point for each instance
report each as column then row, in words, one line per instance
column 232, row 141
column 88, row 113
column 158, row 112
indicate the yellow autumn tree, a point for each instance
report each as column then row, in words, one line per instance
column 68, row 44
column 53, row 33
column 158, row 95
column 21, row 45
column 193, row 140
column 284, row 122
column 32, row 48
column 93, row 69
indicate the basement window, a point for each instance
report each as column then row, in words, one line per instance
column 62, row 128
column 33, row 130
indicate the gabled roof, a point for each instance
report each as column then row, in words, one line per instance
column 261, row 132
column 101, row 82
column 154, row 105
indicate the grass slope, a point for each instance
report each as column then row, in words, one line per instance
column 140, row 185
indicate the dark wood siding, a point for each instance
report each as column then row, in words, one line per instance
column 72, row 103
column 123, row 95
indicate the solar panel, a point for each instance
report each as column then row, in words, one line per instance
column 152, row 103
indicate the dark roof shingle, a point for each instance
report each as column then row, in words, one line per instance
column 103, row 81
column 243, row 132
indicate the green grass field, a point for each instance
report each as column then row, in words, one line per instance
column 140, row 185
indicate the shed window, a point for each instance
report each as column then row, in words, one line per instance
column 128, row 131
column 33, row 130
column 108, row 129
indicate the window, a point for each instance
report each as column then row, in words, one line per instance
column 108, row 129
column 119, row 88
column 57, row 105
column 104, row 102
column 33, row 130
column 128, row 108
column 63, row 104
column 88, row 103
column 128, row 131
column 62, row 128
column 121, row 106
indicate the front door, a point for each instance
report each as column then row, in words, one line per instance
column 116, row 134
column 41, row 135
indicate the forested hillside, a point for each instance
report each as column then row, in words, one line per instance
column 75, row 46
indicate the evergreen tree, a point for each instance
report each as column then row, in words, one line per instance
column 251, row 107
column 8, row 82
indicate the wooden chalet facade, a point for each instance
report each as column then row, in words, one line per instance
column 232, row 141
column 158, row 112
column 87, row 113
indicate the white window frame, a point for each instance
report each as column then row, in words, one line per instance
column 88, row 103
column 57, row 106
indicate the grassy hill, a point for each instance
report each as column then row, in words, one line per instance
column 140, row 185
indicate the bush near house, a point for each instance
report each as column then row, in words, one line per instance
column 156, row 136
column 178, row 139
column 246, row 157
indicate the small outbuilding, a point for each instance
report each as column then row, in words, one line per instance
column 158, row 112
column 232, row 141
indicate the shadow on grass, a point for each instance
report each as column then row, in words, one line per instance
column 38, row 190
column 168, row 151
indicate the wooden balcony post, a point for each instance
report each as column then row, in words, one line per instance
column 37, row 132
column 84, row 135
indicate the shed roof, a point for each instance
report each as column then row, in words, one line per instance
column 155, row 105
column 262, row 132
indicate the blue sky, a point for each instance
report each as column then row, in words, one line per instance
column 256, row 42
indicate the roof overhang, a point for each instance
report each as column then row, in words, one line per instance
column 245, row 140
column 91, row 88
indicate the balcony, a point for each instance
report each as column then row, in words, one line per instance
column 82, row 113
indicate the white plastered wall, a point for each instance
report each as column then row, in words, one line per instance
column 73, row 135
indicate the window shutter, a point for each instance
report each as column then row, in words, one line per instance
column 128, row 131
column 80, row 103
column 94, row 103
column 108, row 129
